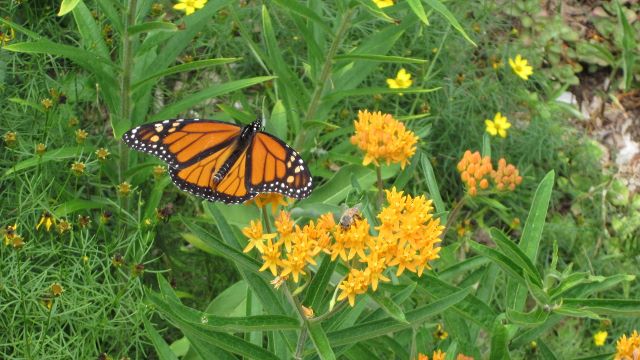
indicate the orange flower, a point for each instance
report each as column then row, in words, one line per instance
column 474, row 171
column 263, row 199
column 356, row 283
column 628, row 348
column 382, row 137
column 506, row 177
column 255, row 235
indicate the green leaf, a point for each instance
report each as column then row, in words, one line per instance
column 230, row 302
column 628, row 47
column 486, row 145
column 432, row 185
column 418, row 9
column 298, row 8
column 504, row 262
column 340, row 95
column 162, row 348
column 372, row 329
column 545, row 351
column 178, row 312
column 532, row 318
column 152, row 26
column 575, row 312
column 388, row 305
column 606, row 306
column 20, row 28
column 52, row 155
column 89, row 30
column 153, row 201
column 499, row 341
column 335, row 190
column 531, row 235
column 439, row 7
column 320, row 340
column 216, row 90
column 71, row 206
column 67, row 6
column 318, row 285
column 381, row 58
column 82, row 57
column 277, row 123
column 513, row 252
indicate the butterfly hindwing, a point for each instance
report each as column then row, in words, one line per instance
column 273, row 166
column 181, row 142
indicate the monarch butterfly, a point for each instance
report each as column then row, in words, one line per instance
column 220, row 161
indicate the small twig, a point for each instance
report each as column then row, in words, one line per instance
column 454, row 214
column 330, row 313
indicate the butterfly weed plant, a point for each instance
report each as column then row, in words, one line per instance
column 426, row 235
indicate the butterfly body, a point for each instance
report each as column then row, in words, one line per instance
column 221, row 161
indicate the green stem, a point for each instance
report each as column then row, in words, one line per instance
column 305, row 326
column 125, row 83
column 329, row 314
column 453, row 215
column 325, row 73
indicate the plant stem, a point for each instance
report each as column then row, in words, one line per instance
column 329, row 314
column 454, row 214
column 325, row 73
column 125, row 83
column 265, row 218
column 303, row 332
column 380, row 186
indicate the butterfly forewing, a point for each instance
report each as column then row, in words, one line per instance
column 182, row 142
column 220, row 161
column 275, row 167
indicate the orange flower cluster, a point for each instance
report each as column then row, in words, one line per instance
column 506, row 177
column 475, row 171
column 439, row 355
column 628, row 348
column 382, row 137
column 408, row 238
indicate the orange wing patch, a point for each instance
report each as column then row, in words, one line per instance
column 276, row 167
column 180, row 142
column 233, row 184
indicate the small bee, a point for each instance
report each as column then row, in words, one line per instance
column 349, row 217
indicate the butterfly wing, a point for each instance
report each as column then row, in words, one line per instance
column 198, row 178
column 182, row 142
column 273, row 166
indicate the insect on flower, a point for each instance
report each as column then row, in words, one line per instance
column 349, row 217
column 220, row 161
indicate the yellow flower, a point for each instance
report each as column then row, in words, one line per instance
column 56, row 289
column 46, row 103
column 255, row 235
column 81, row 136
column 189, row 6
column 17, row 242
column 124, row 189
column 63, row 226
column 10, row 233
column 158, row 171
column 498, row 126
column 47, row 220
column 78, row 167
column 271, row 253
column 6, row 34
column 521, row 67
column 383, row 3
column 628, row 348
column 600, row 338
column 41, row 149
column 438, row 355
column 263, row 199
column 402, row 80
column 356, row 283
column 9, row 138
column 102, row 153
column 382, row 137
column 440, row 333
column 117, row 260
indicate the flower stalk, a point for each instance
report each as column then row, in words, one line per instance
column 125, row 81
